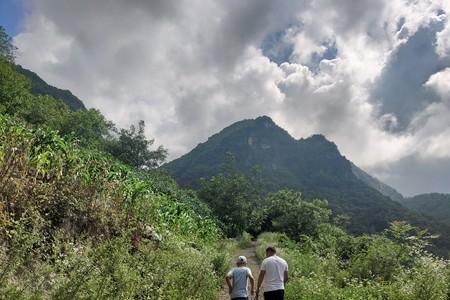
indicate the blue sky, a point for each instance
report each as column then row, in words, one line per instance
column 11, row 14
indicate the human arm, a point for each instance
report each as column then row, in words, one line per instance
column 252, row 284
column 260, row 280
column 228, row 280
column 286, row 275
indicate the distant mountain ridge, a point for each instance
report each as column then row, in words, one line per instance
column 40, row 87
column 377, row 184
column 434, row 204
column 313, row 166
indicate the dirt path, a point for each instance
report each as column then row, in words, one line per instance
column 252, row 263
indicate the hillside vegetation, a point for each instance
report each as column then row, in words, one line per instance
column 434, row 205
column 313, row 166
column 84, row 214
column 77, row 224
column 40, row 87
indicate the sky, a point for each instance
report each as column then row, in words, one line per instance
column 11, row 15
column 373, row 76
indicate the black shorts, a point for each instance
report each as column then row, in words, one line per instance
column 274, row 295
column 240, row 298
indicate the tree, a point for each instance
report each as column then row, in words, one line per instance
column 287, row 212
column 7, row 49
column 15, row 96
column 132, row 147
column 89, row 126
column 227, row 194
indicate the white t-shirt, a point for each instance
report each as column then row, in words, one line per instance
column 239, row 277
column 274, row 278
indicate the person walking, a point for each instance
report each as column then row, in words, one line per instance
column 237, row 280
column 273, row 275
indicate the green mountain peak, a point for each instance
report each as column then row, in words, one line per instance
column 311, row 165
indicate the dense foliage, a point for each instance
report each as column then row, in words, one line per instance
column 336, row 266
column 75, row 224
column 89, row 127
column 80, row 220
column 133, row 148
column 40, row 87
column 434, row 205
column 7, row 49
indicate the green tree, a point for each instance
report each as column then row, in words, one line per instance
column 133, row 148
column 46, row 111
column 15, row 97
column 227, row 194
column 7, row 49
column 89, row 126
column 287, row 212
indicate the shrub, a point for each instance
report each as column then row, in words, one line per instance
column 75, row 224
column 244, row 240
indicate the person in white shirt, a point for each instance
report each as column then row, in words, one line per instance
column 237, row 280
column 273, row 275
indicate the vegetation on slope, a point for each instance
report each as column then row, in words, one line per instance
column 335, row 266
column 313, row 166
column 83, row 212
column 74, row 223
column 327, row 263
column 376, row 184
column 40, row 87
column 434, row 205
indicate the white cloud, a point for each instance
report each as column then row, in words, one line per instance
column 189, row 68
column 440, row 83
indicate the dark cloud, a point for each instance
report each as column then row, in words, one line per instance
column 415, row 175
column 400, row 86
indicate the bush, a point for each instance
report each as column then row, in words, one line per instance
column 77, row 224
column 373, row 267
column 244, row 240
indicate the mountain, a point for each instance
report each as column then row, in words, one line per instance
column 313, row 166
column 376, row 184
column 434, row 205
column 40, row 87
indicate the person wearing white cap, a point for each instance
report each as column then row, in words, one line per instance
column 237, row 280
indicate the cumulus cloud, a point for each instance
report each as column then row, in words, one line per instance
column 370, row 75
column 440, row 83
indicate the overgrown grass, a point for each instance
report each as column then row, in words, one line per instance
column 244, row 240
column 76, row 224
column 331, row 277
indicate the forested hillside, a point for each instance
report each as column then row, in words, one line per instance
column 313, row 166
column 434, row 205
column 40, row 87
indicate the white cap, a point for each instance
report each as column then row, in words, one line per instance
column 242, row 259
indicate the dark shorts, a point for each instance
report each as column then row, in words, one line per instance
column 274, row 295
column 240, row 298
